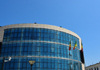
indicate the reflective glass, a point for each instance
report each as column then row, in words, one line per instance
column 40, row 42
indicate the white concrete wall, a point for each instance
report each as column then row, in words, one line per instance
column 1, row 34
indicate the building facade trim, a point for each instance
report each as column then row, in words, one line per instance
column 43, row 57
column 40, row 41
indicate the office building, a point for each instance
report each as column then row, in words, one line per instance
column 93, row 67
column 46, row 45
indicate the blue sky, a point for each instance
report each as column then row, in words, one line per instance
column 79, row 16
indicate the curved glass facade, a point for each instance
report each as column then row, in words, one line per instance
column 48, row 48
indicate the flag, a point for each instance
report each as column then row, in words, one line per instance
column 82, row 54
column 75, row 45
column 70, row 45
column 81, row 47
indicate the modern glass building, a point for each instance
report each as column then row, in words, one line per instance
column 47, row 45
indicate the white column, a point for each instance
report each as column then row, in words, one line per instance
column 83, row 67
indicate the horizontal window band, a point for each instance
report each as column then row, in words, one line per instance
column 41, row 57
column 39, row 41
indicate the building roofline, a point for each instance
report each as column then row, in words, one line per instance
column 43, row 27
column 93, row 65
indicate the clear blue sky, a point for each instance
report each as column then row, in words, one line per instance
column 79, row 16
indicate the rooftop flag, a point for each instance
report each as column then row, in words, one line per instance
column 81, row 47
column 70, row 45
column 75, row 45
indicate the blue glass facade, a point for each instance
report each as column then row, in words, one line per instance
column 48, row 48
